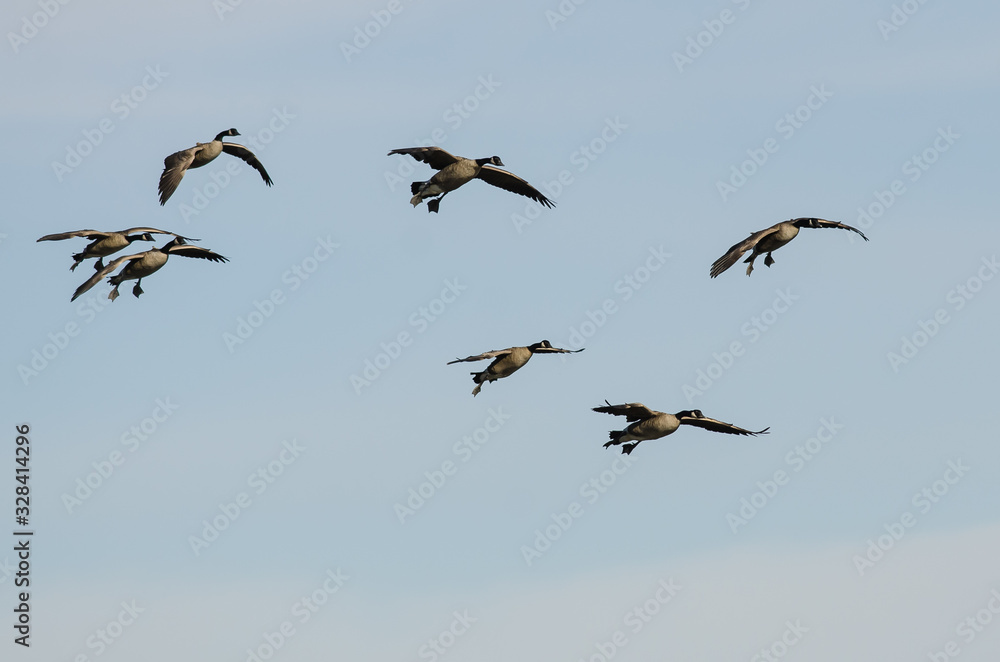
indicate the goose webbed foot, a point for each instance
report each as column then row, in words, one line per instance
column 768, row 261
column 432, row 205
column 137, row 290
column 113, row 294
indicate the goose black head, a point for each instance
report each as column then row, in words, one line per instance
column 176, row 241
column 495, row 160
column 545, row 344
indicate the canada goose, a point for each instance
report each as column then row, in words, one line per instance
column 140, row 265
column 655, row 424
column 772, row 239
column 455, row 171
column 508, row 361
column 106, row 243
column 175, row 165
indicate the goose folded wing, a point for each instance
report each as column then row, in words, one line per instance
column 248, row 156
column 77, row 233
column 511, row 182
column 557, row 350
column 155, row 231
column 197, row 251
column 485, row 355
column 174, row 167
column 98, row 275
column 632, row 411
column 435, row 157
column 821, row 223
column 719, row 426
column 736, row 251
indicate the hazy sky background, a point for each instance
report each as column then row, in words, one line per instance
column 645, row 143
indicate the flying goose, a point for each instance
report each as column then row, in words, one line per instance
column 771, row 239
column 106, row 243
column 175, row 165
column 140, row 265
column 652, row 424
column 508, row 361
column 454, row 171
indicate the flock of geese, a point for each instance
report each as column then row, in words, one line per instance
column 138, row 266
column 649, row 424
column 452, row 173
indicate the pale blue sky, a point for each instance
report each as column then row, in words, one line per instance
column 606, row 80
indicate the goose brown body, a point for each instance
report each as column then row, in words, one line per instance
column 651, row 424
column 138, row 266
column 455, row 171
column 771, row 239
column 508, row 361
column 106, row 243
column 175, row 165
